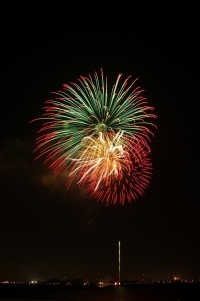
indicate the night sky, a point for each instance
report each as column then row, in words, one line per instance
column 47, row 231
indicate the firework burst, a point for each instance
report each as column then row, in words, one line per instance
column 96, row 133
column 133, row 181
column 103, row 158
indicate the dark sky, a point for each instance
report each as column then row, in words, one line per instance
column 47, row 231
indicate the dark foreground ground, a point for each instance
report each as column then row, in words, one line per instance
column 185, row 291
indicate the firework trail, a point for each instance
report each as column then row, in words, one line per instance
column 131, row 184
column 100, row 136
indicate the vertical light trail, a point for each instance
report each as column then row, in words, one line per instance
column 119, row 264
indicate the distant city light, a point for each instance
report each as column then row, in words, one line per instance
column 34, row 282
